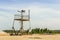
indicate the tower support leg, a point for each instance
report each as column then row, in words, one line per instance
column 21, row 29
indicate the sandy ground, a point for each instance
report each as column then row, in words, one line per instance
column 31, row 37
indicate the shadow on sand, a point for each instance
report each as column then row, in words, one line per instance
column 35, row 38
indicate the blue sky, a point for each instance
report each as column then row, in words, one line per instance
column 44, row 13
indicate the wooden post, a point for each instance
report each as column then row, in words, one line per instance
column 21, row 29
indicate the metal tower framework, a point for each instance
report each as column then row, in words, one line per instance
column 21, row 17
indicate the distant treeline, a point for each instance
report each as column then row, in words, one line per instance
column 36, row 31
